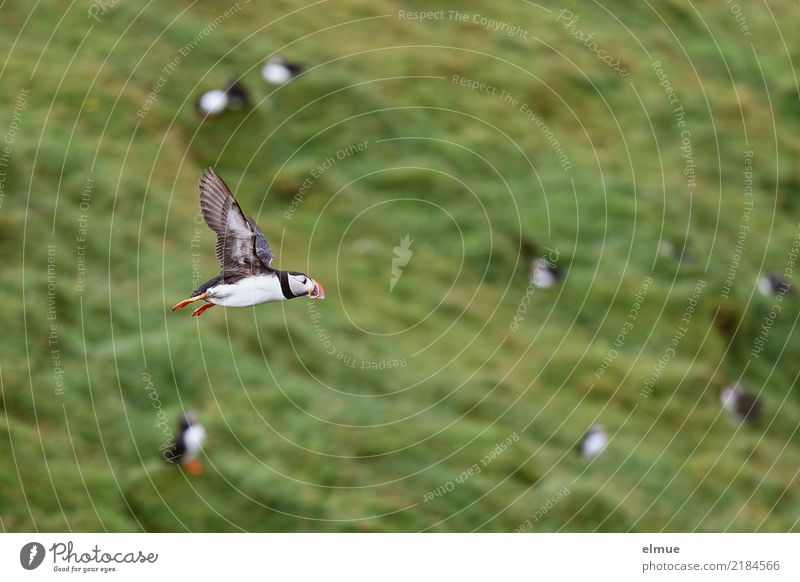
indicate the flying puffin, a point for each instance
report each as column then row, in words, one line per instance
column 245, row 255
column 187, row 443
column 277, row 71
column 742, row 406
column 594, row 442
column 544, row 274
column 772, row 284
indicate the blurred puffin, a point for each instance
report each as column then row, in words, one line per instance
column 244, row 254
column 742, row 406
column 666, row 249
column 186, row 445
column 772, row 284
column 544, row 274
column 217, row 101
column 669, row 250
column 594, row 442
column 277, row 71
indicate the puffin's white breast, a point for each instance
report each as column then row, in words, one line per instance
column 728, row 399
column 765, row 286
column 247, row 292
column 594, row 444
column 276, row 73
column 193, row 438
column 213, row 102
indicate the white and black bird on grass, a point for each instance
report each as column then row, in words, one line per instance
column 594, row 442
column 277, row 71
column 774, row 283
column 187, row 444
column 544, row 274
column 741, row 405
column 244, row 254
column 211, row 103
column 216, row 101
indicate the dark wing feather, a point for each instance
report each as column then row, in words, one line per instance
column 263, row 249
column 237, row 240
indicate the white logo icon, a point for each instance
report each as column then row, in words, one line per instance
column 402, row 256
column 31, row 555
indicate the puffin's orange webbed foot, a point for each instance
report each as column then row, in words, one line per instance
column 186, row 302
column 200, row 310
column 194, row 467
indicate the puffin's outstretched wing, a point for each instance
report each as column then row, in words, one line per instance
column 241, row 246
column 263, row 249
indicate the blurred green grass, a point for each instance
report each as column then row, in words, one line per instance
column 299, row 441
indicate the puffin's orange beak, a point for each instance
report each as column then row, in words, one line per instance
column 318, row 292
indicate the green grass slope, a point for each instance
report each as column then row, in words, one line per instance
column 379, row 410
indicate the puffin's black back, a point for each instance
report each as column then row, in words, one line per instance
column 176, row 450
column 748, row 407
column 238, row 95
column 177, row 446
column 779, row 284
